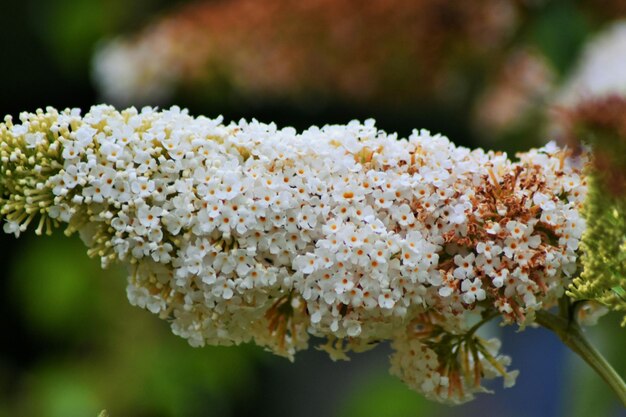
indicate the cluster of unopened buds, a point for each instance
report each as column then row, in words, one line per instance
column 246, row 232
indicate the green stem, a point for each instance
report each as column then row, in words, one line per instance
column 572, row 336
column 484, row 320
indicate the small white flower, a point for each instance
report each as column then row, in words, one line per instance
column 472, row 290
column 544, row 201
column 457, row 216
column 465, row 266
column 499, row 277
column 492, row 228
column 149, row 216
column 385, row 300
column 516, row 229
column 488, row 249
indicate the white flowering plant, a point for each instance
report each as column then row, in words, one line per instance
column 245, row 232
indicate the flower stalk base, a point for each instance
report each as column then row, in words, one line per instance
column 572, row 336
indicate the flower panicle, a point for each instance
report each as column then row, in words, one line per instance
column 245, row 232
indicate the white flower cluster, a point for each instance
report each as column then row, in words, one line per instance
column 418, row 363
column 601, row 70
column 246, row 232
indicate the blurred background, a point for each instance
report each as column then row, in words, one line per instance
column 488, row 73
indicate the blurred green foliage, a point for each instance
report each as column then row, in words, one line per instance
column 72, row 28
column 380, row 394
column 559, row 32
column 52, row 290
column 111, row 354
